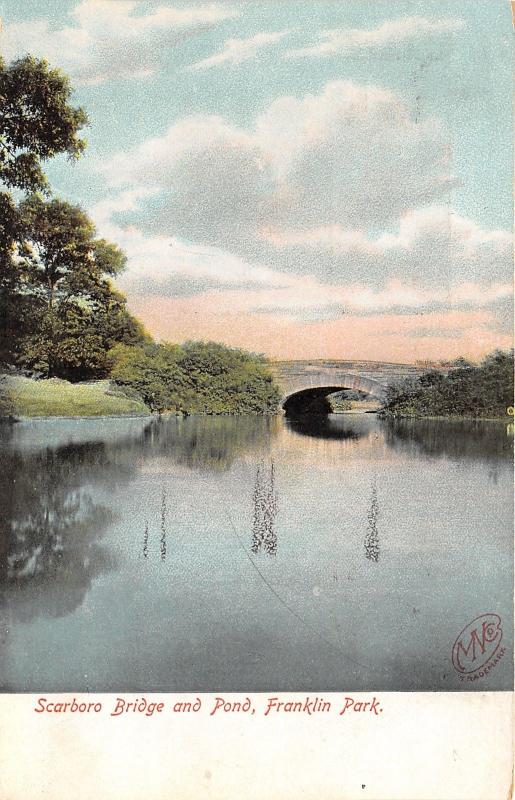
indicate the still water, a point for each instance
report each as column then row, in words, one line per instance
column 250, row 554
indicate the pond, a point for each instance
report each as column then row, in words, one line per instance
column 250, row 554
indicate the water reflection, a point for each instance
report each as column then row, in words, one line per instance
column 52, row 524
column 162, row 540
column 51, row 527
column 265, row 510
column 332, row 426
column 108, row 528
column 455, row 439
column 209, row 443
column 145, row 540
column 372, row 536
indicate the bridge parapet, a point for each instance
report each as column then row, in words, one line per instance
column 365, row 376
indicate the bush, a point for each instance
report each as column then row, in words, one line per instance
column 197, row 377
column 484, row 390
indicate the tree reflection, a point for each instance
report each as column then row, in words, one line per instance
column 209, row 443
column 265, row 502
column 51, row 520
column 51, row 526
column 372, row 536
column 454, row 439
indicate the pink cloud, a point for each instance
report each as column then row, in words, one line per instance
column 222, row 316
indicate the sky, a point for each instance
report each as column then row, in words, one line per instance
column 309, row 179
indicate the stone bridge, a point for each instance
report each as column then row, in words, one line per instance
column 309, row 382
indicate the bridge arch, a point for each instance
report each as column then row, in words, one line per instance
column 305, row 395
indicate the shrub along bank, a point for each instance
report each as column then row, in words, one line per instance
column 476, row 391
column 196, row 378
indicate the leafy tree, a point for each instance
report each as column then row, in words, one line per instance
column 59, row 256
column 152, row 371
column 431, row 378
column 7, row 409
column 462, row 363
column 227, row 380
column 37, row 122
column 74, row 315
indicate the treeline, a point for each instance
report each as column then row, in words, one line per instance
column 466, row 390
column 60, row 313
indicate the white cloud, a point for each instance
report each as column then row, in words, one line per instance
column 309, row 301
column 432, row 245
column 390, row 34
column 169, row 267
column 111, row 38
column 350, row 155
column 342, row 187
column 235, row 51
column 210, row 176
column 353, row 155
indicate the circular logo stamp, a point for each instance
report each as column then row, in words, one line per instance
column 477, row 643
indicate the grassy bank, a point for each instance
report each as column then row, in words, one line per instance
column 25, row 397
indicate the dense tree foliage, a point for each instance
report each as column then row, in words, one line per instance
column 64, row 314
column 197, row 377
column 37, row 122
column 485, row 390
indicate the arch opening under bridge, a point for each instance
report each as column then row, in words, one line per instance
column 313, row 399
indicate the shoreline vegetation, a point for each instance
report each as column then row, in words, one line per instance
column 68, row 344
column 466, row 391
column 194, row 378
column 205, row 378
